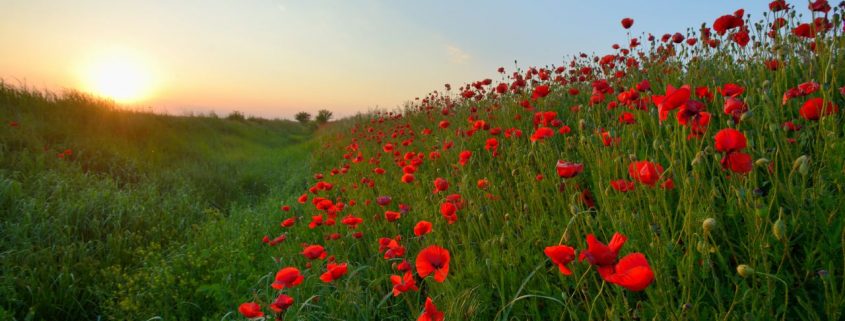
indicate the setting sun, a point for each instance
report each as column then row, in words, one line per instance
column 121, row 78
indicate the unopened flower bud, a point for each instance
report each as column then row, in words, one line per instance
column 744, row 270
column 709, row 224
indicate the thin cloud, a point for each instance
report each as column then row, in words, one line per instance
column 456, row 55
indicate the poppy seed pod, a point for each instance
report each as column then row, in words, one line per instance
column 779, row 229
column 744, row 270
column 709, row 224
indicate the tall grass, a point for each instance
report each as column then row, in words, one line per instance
column 117, row 214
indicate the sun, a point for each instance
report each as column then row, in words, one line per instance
column 120, row 77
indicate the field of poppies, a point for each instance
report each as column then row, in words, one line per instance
column 695, row 175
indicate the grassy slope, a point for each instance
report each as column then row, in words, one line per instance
column 498, row 269
column 149, row 216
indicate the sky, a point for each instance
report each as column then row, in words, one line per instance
column 273, row 58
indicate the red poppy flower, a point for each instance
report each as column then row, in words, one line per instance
column 281, row 303
column 627, row 118
column 430, row 312
column 737, row 162
column 600, row 255
column 313, row 252
column 542, row 133
column 778, row 5
column 632, row 272
column 646, row 172
column 333, row 272
column 819, row 6
column 561, row 255
column 674, row 98
column 402, row 284
column 407, row 178
column 288, row 222
column 422, row 228
column 729, row 140
column 392, row 216
column 440, row 185
column 433, row 259
column 622, row 185
column 627, row 23
column 815, row 108
column 351, row 221
column 449, row 210
column 540, row 91
column 731, row 90
column 735, row 108
column 804, row 30
column 250, row 310
column 492, row 144
column 741, row 38
column 727, row 22
column 463, row 157
column 483, row 183
column 568, row 169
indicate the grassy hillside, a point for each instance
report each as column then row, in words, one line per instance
column 114, row 214
column 716, row 154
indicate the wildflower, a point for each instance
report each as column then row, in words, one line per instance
column 250, row 310
column 433, row 259
column 561, row 255
column 333, row 272
column 632, row 272
column 430, row 312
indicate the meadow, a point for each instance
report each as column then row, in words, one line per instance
column 692, row 175
column 115, row 214
column 696, row 175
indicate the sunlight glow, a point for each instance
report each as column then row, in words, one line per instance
column 120, row 77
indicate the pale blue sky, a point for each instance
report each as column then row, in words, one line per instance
column 273, row 58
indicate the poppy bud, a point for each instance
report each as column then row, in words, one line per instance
column 656, row 144
column 709, row 224
column 697, row 159
column 745, row 116
column 582, row 124
column 744, row 270
column 801, row 164
column 779, row 229
column 762, row 162
column 773, row 127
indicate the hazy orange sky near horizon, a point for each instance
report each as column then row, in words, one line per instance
column 273, row 58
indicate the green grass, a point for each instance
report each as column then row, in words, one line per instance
column 150, row 215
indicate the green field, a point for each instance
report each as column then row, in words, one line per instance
column 149, row 215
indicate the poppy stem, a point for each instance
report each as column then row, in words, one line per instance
column 593, row 306
column 562, row 236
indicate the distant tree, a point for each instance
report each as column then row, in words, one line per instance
column 323, row 116
column 302, row 117
column 236, row 115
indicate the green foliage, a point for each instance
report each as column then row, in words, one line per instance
column 302, row 117
column 323, row 116
column 236, row 115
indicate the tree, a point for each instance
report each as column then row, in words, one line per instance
column 302, row 117
column 236, row 115
column 323, row 116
